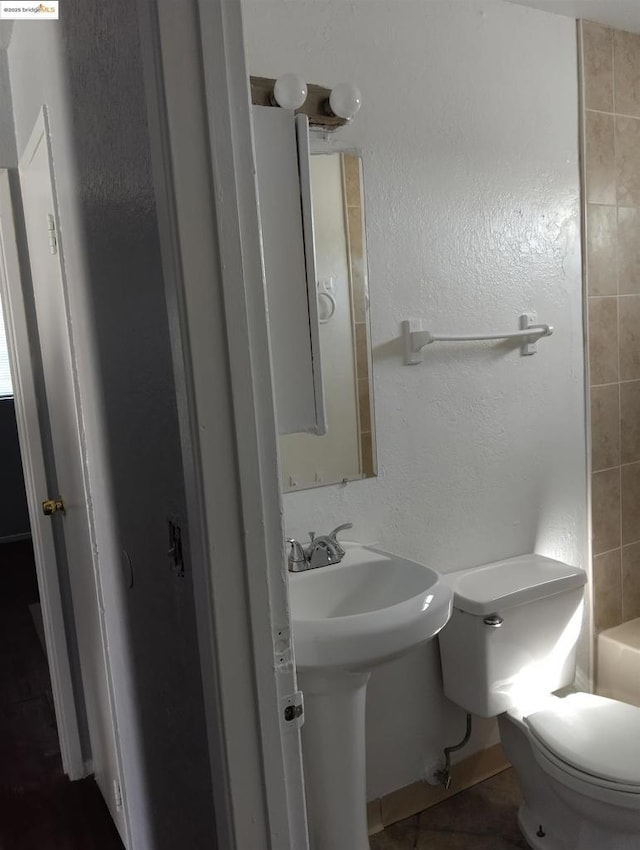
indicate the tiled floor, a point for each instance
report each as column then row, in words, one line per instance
column 481, row 818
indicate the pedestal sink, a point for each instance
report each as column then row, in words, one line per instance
column 347, row 619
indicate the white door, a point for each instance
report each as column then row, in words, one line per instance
column 59, row 378
column 35, row 479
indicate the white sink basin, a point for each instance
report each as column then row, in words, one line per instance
column 364, row 611
column 347, row 618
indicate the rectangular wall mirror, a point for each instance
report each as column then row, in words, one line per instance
column 347, row 452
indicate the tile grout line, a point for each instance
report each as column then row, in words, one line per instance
column 617, row 465
column 616, row 384
column 610, row 206
column 614, row 114
column 617, row 548
column 585, row 184
column 617, row 254
column 584, row 191
column 613, row 72
column 607, row 552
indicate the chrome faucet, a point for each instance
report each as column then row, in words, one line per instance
column 320, row 552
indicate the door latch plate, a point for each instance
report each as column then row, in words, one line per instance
column 292, row 710
column 53, row 506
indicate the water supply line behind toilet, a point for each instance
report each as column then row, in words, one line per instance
column 443, row 775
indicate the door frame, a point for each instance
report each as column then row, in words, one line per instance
column 198, row 105
column 35, row 477
column 204, row 175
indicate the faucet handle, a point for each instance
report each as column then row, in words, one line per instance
column 296, row 554
column 343, row 527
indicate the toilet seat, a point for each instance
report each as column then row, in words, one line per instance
column 596, row 793
column 590, row 740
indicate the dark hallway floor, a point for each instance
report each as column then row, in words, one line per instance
column 39, row 808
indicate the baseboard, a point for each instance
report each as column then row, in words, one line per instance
column 418, row 796
column 15, row 538
column 374, row 816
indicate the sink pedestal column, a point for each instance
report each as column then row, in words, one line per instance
column 333, row 750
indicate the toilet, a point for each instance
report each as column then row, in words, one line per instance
column 509, row 645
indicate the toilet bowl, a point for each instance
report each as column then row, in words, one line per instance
column 578, row 761
column 510, row 643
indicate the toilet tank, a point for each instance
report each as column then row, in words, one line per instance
column 513, row 632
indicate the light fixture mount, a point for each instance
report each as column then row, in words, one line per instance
column 315, row 105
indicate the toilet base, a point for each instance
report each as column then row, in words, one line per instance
column 530, row 828
column 541, row 807
column 569, row 821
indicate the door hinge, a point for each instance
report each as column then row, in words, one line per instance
column 53, row 236
column 117, row 794
column 292, row 710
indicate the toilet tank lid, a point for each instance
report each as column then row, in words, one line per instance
column 515, row 581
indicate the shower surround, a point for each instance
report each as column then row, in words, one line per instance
column 610, row 92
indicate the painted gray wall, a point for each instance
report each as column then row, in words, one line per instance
column 90, row 77
column 8, row 157
column 14, row 515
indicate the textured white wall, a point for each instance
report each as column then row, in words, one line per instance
column 14, row 517
column 469, row 136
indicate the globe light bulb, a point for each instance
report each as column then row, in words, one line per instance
column 345, row 100
column 290, row 91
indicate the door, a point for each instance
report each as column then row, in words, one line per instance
column 75, row 522
column 33, row 464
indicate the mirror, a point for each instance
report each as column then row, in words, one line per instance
column 347, row 451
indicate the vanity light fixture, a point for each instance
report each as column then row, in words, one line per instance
column 344, row 101
column 289, row 91
column 326, row 109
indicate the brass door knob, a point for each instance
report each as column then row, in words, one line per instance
column 53, row 506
